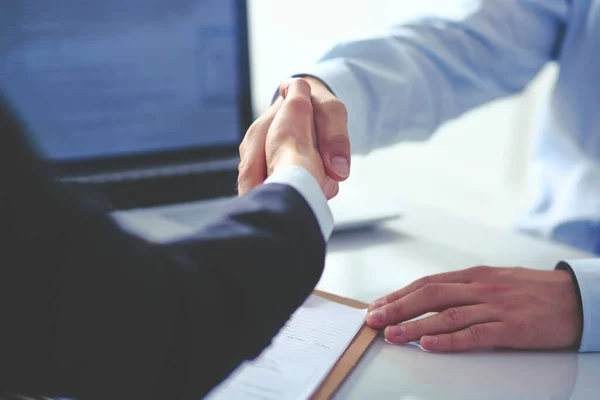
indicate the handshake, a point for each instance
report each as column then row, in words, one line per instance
column 286, row 135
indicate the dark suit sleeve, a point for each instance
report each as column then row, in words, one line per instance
column 89, row 311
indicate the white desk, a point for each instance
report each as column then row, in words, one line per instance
column 365, row 265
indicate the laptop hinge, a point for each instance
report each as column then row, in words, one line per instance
column 206, row 167
column 160, row 186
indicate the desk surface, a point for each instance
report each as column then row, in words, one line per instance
column 367, row 264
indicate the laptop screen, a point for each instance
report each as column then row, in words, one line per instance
column 114, row 78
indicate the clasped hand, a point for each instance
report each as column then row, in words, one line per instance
column 301, row 111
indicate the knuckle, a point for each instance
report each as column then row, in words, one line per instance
column 299, row 105
column 452, row 316
column 260, row 125
column 302, row 84
column 248, row 138
column 477, row 333
column 506, row 304
column 332, row 109
column 251, row 132
column 424, row 281
column 396, row 309
column 334, row 106
column 499, row 289
column 452, row 340
column 480, row 271
column 432, row 290
column 255, row 136
column 244, row 171
column 509, row 274
column 505, row 295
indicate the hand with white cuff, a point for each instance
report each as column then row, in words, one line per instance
column 328, row 132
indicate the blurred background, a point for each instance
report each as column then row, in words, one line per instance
column 475, row 166
column 95, row 79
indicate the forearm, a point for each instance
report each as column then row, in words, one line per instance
column 148, row 319
column 404, row 85
column 90, row 311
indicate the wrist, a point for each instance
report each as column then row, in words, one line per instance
column 565, row 268
column 291, row 159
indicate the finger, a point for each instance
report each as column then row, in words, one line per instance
column 475, row 337
column 449, row 320
column 331, row 122
column 253, row 167
column 429, row 298
column 463, row 276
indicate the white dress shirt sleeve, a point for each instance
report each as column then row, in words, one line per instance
column 587, row 275
column 405, row 84
column 302, row 180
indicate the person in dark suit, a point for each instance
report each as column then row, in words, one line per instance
column 90, row 311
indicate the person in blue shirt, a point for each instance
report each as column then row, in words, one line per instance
column 404, row 85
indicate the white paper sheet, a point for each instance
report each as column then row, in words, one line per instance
column 300, row 356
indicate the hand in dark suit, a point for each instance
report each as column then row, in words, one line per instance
column 92, row 312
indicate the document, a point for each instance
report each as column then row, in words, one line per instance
column 300, row 356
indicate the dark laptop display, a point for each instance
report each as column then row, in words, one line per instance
column 118, row 85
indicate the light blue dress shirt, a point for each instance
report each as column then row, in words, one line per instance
column 404, row 85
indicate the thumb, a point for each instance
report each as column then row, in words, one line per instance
column 331, row 123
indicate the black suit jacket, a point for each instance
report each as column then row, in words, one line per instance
column 88, row 311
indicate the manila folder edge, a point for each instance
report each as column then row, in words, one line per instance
column 351, row 356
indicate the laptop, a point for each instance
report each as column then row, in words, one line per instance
column 144, row 102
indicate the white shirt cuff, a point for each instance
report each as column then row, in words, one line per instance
column 302, row 180
column 587, row 273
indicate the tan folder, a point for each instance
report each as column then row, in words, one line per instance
column 351, row 356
